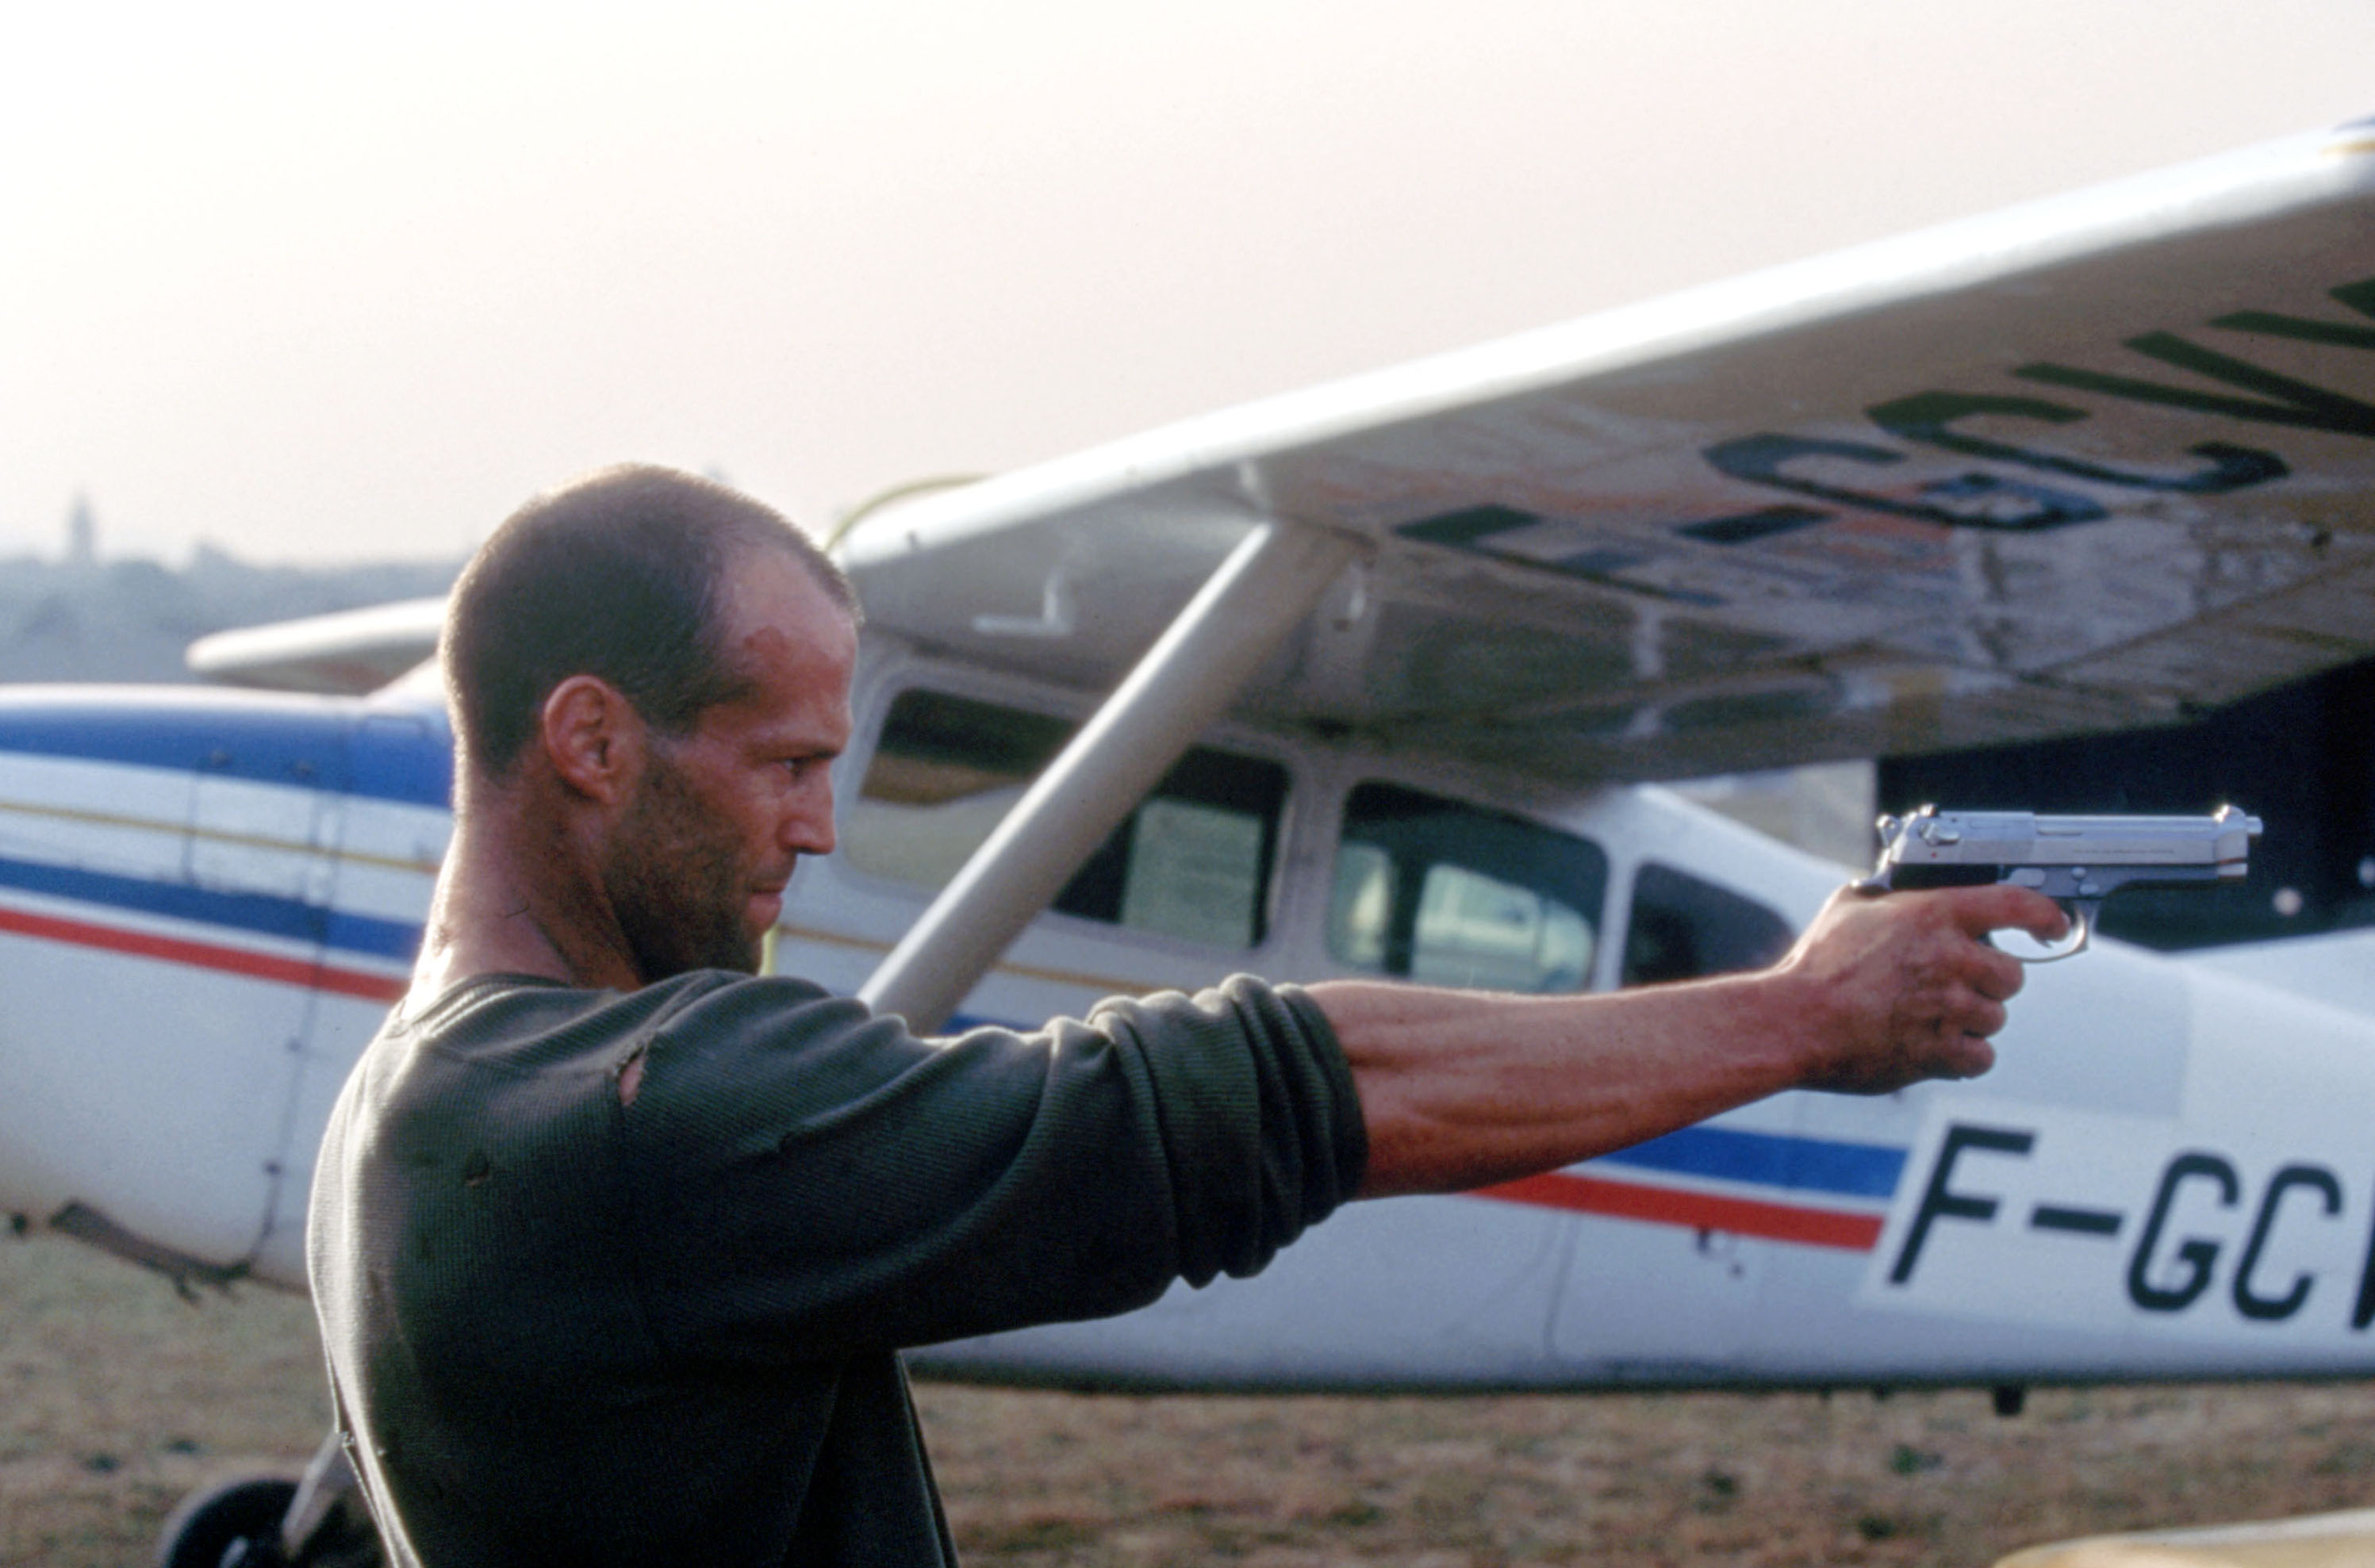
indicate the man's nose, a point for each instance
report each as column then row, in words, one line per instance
column 809, row 825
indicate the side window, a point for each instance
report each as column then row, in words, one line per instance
column 1193, row 861
column 1450, row 894
column 1682, row 926
column 944, row 772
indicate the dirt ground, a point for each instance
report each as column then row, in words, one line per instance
column 116, row 1399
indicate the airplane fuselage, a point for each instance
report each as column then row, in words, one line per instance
column 208, row 900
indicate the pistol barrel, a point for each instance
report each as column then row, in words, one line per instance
column 1930, row 837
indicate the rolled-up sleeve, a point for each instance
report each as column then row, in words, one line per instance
column 805, row 1179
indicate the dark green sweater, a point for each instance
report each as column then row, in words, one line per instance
column 565, row 1329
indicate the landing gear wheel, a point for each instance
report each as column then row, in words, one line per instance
column 209, row 1524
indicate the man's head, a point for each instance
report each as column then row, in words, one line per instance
column 653, row 672
column 617, row 576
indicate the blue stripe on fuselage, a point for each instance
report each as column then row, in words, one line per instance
column 262, row 915
column 1772, row 1159
column 266, row 738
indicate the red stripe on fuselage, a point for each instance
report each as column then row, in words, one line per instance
column 204, row 955
column 1556, row 1189
column 1698, row 1211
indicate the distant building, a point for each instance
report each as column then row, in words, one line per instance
column 82, row 533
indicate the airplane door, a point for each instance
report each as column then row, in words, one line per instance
column 1652, row 1301
column 1694, row 1201
column 379, row 847
column 263, row 824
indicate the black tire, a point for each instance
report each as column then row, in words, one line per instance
column 207, row 1522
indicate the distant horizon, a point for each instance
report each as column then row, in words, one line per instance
column 335, row 284
column 187, row 554
column 131, row 618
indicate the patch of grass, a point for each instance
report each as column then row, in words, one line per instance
column 1030, row 1535
column 99, row 1359
column 1907, row 1460
column 2349, row 1459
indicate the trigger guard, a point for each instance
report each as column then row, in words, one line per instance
column 2082, row 925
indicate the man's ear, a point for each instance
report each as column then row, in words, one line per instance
column 593, row 737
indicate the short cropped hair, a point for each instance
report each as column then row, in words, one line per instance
column 618, row 576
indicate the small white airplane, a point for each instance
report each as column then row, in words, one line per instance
column 1376, row 679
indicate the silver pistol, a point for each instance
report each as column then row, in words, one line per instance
column 2076, row 861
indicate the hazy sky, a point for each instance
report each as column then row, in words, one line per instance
column 350, row 281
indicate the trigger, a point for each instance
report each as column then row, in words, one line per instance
column 2082, row 925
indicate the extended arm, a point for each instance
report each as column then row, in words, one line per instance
column 1459, row 1090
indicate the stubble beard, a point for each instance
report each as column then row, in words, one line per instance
column 675, row 883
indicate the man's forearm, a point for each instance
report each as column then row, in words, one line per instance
column 1459, row 1090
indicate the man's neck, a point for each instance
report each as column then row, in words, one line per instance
column 495, row 911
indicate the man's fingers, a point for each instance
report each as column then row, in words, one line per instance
column 1967, row 1056
column 2001, row 907
column 1997, row 975
column 1983, row 1018
column 1919, row 986
column 1991, row 972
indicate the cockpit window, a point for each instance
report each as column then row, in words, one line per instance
column 1682, row 928
column 1193, row 861
column 1450, row 894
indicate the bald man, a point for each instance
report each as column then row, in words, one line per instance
column 615, row 1244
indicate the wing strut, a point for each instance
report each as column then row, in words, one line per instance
column 1268, row 584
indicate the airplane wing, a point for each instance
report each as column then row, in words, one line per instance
column 348, row 653
column 2094, row 463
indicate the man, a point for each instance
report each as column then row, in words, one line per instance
column 614, row 1246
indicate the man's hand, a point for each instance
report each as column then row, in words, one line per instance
column 1905, row 987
